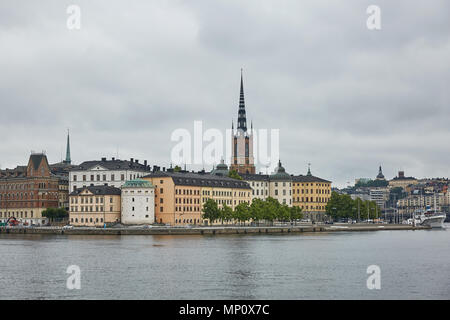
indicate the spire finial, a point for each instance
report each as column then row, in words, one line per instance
column 242, row 119
column 309, row 170
column 68, row 160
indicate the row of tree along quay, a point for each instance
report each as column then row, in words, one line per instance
column 342, row 206
column 260, row 211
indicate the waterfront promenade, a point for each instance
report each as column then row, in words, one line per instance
column 214, row 230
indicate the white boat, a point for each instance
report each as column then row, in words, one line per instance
column 433, row 219
column 430, row 218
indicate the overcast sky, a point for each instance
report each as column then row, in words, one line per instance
column 346, row 99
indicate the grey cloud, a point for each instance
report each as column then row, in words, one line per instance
column 345, row 99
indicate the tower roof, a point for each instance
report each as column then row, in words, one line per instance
column 380, row 175
column 242, row 118
column 68, row 160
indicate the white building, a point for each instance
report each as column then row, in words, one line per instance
column 138, row 202
column 280, row 185
column 380, row 196
column 106, row 172
column 259, row 184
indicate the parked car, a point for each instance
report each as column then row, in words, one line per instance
column 67, row 227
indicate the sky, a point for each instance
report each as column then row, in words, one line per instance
column 346, row 99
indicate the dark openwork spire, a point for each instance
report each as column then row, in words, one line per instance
column 68, row 160
column 242, row 119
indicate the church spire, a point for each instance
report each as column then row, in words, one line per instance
column 309, row 170
column 242, row 119
column 68, row 160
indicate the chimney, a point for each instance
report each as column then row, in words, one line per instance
column 113, row 158
column 103, row 159
column 164, row 169
column 131, row 160
column 401, row 174
column 154, row 168
column 136, row 160
column 145, row 162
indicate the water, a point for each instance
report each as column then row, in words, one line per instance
column 414, row 265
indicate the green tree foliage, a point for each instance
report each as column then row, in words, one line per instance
column 267, row 210
column 55, row 214
column 342, row 206
column 295, row 213
column 372, row 184
column 233, row 174
column 242, row 212
column 177, row 169
column 211, row 211
column 226, row 213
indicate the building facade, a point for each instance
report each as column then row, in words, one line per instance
column 138, row 202
column 311, row 194
column 179, row 196
column 25, row 192
column 280, row 185
column 112, row 172
column 402, row 181
column 380, row 196
column 94, row 206
column 242, row 159
column 260, row 185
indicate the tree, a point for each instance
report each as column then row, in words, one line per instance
column 270, row 209
column 226, row 213
column 234, row 174
column 295, row 213
column 283, row 213
column 211, row 211
column 344, row 207
column 242, row 212
column 55, row 214
column 177, row 169
column 257, row 210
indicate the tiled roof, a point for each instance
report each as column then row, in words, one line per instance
column 200, row 179
column 255, row 177
column 308, row 178
column 112, row 165
column 98, row 190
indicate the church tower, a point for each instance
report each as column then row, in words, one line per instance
column 242, row 159
column 68, row 160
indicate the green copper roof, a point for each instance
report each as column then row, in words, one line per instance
column 280, row 174
column 137, row 183
column 221, row 169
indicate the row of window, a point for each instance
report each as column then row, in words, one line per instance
column 103, row 177
column 84, row 199
column 83, row 220
column 27, row 186
column 187, row 209
column 187, row 192
column 26, row 196
column 318, row 191
column 193, row 221
column 185, row 200
column 89, row 209
column 17, row 214
column 311, row 199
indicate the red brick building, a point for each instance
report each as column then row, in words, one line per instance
column 26, row 191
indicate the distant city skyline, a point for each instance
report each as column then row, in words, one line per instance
column 346, row 99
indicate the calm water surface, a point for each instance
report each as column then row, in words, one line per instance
column 414, row 265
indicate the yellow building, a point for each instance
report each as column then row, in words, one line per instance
column 402, row 181
column 179, row 196
column 311, row 194
column 95, row 205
